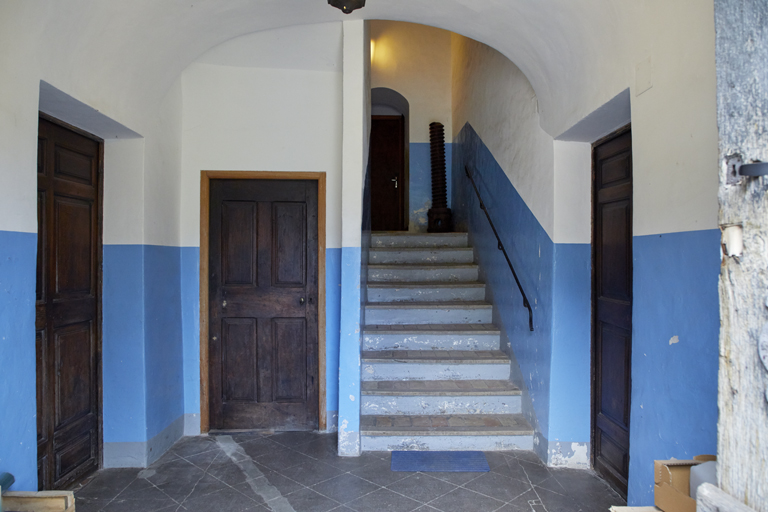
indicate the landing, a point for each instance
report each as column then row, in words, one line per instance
column 301, row 472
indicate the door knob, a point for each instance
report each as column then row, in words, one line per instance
column 395, row 180
column 301, row 301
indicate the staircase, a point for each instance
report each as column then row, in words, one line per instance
column 433, row 374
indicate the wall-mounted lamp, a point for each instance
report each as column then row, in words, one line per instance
column 754, row 169
column 347, row 6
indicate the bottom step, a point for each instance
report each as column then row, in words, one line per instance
column 484, row 432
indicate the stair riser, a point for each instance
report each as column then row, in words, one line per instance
column 419, row 241
column 425, row 294
column 422, row 316
column 442, row 371
column 446, row 443
column 424, row 257
column 395, row 274
column 408, row 405
column 406, row 341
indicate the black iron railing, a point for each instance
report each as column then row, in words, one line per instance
column 526, row 304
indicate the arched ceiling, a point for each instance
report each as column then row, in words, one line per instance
column 140, row 47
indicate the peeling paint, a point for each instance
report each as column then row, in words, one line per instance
column 569, row 455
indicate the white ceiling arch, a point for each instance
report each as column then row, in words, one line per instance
column 574, row 52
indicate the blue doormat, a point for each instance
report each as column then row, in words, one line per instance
column 438, row 462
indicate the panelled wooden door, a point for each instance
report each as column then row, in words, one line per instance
column 388, row 181
column 263, row 304
column 612, row 308
column 68, row 306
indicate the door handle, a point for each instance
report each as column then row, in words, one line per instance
column 395, row 180
column 301, row 301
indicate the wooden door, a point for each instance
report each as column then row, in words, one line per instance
column 388, row 183
column 68, row 299
column 612, row 308
column 263, row 324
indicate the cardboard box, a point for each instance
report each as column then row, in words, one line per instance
column 672, row 492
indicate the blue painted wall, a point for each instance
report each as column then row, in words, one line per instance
column 18, row 396
column 163, row 337
column 349, row 352
column 190, row 327
column 674, row 386
column 332, row 326
column 123, row 363
column 570, row 391
column 531, row 252
column 420, row 182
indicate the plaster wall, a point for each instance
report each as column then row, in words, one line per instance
column 269, row 101
column 415, row 60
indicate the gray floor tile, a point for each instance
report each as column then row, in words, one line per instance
column 108, row 483
column 311, row 472
column 462, row 500
column 228, row 500
column 281, row 460
column 310, row 501
column 379, row 473
column 345, row 488
column 384, row 500
column 304, row 469
column 498, row 486
column 422, row 487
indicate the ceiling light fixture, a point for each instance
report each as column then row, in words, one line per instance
column 347, row 6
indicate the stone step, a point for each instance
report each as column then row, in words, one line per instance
column 431, row 337
column 403, row 313
column 429, row 292
column 435, row 365
column 420, row 273
column 403, row 239
column 404, row 255
column 484, row 432
column 440, row 397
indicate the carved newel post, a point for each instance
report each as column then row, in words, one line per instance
column 439, row 216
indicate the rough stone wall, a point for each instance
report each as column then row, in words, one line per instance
column 742, row 110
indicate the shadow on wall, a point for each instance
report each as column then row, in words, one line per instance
column 531, row 252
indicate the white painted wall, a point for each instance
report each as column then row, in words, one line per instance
column 414, row 60
column 264, row 118
column 494, row 96
column 124, row 191
column 674, row 124
column 573, row 192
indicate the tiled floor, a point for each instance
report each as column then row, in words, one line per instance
column 298, row 471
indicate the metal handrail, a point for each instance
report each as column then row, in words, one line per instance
column 526, row 304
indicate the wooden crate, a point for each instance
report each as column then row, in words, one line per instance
column 42, row 501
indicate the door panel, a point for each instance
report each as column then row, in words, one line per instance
column 612, row 307
column 263, row 284
column 388, row 181
column 68, row 299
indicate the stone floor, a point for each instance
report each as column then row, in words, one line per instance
column 299, row 471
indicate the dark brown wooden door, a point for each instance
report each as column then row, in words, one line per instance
column 612, row 325
column 68, row 306
column 263, row 346
column 388, row 183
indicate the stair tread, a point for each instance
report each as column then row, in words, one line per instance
column 454, row 304
column 445, row 425
column 405, row 233
column 431, row 329
column 426, row 284
column 439, row 388
column 420, row 266
column 435, row 356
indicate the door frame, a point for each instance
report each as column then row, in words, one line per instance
column 205, row 192
column 99, row 275
column 593, row 292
